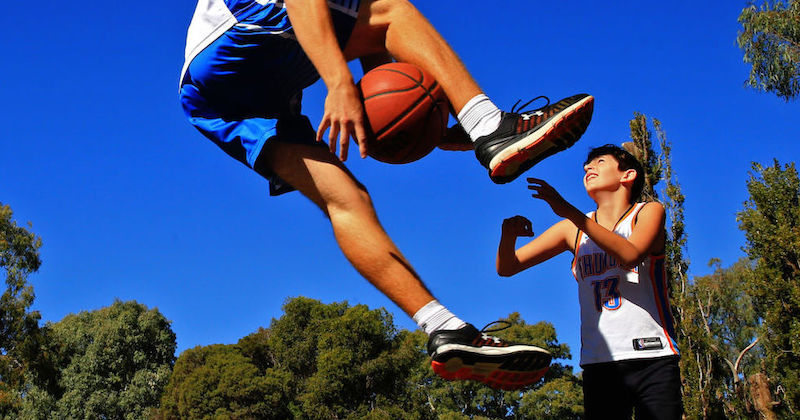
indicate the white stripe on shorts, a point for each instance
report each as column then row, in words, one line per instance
column 349, row 7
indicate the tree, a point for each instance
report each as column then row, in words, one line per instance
column 321, row 361
column 110, row 363
column 771, row 223
column 315, row 361
column 19, row 257
column 770, row 38
column 642, row 147
column 222, row 381
column 723, row 327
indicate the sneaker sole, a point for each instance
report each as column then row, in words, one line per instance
column 498, row 369
column 556, row 135
column 490, row 374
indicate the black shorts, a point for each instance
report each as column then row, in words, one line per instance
column 652, row 386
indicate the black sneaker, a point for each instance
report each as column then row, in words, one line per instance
column 525, row 138
column 469, row 354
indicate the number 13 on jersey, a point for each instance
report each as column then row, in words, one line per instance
column 606, row 294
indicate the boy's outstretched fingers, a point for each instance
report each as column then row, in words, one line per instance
column 541, row 189
column 544, row 191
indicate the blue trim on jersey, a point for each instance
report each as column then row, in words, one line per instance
column 271, row 17
column 659, row 279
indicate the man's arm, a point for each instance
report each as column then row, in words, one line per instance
column 344, row 113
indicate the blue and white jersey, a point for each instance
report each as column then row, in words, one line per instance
column 213, row 17
column 625, row 313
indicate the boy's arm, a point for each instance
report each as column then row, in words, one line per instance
column 647, row 236
column 344, row 113
column 552, row 242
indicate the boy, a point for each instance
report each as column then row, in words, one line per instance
column 628, row 348
column 247, row 62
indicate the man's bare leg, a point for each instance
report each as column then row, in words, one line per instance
column 396, row 27
column 456, row 352
column 321, row 177
column 507, row 144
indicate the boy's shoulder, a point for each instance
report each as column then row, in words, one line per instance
column 652, row 207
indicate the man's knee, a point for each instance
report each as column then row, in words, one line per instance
column 349, row 200
column 384, row 12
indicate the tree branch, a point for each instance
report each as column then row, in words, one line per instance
column 741, row 355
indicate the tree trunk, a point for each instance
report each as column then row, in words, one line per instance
column 762, row 397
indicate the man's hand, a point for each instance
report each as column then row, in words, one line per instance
column 517, row 226
column 344, row 115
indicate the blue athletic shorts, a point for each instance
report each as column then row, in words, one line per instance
column 245, row 88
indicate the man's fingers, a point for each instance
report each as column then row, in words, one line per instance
column 323, row 125
column 344, row 142
column 333, row 134
column 361, row 138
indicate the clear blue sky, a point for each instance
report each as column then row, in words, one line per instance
column 132, row 203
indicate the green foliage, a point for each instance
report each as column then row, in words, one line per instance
column 771, row 222
column 770, row 38
column 19, row 327
column 720, row 327
column 110, row 363
column 220, row 381
column 558, row 398
column 321, row 361
column 643, row 150
column 316, row 361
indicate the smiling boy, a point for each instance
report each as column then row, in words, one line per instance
column 629, row 353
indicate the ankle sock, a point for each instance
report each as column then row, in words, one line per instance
column 434, row 316
column 479, row 117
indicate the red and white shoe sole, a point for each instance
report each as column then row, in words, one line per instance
column 543, row 142
column 489, row 373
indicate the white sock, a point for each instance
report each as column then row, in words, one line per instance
column 479, row 117
column 434, row 316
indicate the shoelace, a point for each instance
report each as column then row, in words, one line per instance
column 505, row 324
column 519, row 110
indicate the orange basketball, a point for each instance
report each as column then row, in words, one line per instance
column 407, row 112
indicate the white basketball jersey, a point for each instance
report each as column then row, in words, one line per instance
column 625, row 313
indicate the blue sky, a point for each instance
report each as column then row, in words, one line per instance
column 132, row 203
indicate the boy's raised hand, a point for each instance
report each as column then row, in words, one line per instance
column 543, row 191
column 517, row 226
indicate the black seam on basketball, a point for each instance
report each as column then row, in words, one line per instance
column 390, row 92
column 400, row 117
column 418, row 83
column 408, row 110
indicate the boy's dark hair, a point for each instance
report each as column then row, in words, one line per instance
column 625, row 161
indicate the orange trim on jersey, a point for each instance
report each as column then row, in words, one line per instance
column 624, row 215
column 636, row 210
column 659, row 298
column 575, row 253
column 575, row 256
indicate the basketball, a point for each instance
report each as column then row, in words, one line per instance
column 407, row 112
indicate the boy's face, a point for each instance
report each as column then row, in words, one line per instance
column 602, row 174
